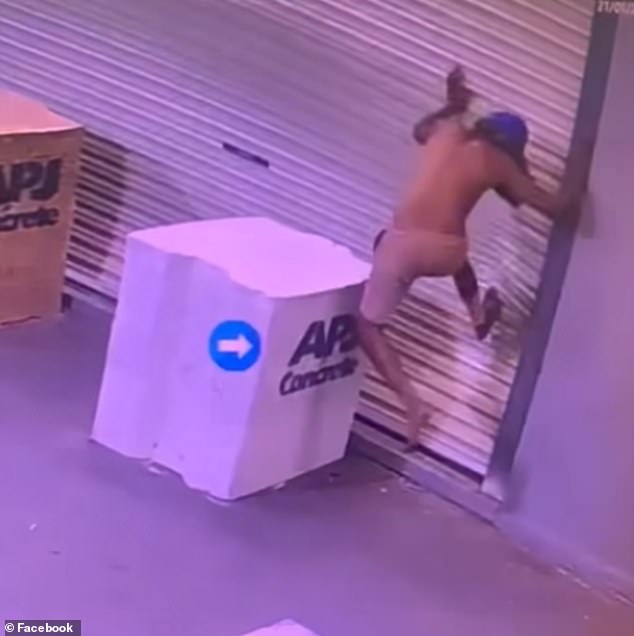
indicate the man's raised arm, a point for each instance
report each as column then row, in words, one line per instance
column 458, row 99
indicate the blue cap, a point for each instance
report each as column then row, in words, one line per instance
column 510, row 130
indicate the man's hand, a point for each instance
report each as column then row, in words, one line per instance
column 580, row 164
column 459, row 96
column 575, row 187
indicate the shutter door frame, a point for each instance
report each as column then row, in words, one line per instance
column 496, row 482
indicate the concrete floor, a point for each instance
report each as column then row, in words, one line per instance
column 352, row 550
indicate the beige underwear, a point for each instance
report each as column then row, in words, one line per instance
column 400, row 258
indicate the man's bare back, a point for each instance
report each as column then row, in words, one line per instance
column 451, row 172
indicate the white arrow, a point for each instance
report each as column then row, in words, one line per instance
column 240, row 346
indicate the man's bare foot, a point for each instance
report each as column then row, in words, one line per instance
column 417, row 418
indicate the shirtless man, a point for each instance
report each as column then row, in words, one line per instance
column 427, row 237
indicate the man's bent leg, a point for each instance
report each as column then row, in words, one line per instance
column 484, row 314
column 469, row 291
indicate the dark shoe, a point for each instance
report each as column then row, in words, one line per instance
column 492, row 306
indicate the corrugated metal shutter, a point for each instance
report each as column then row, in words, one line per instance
column 526, row 56
column 326, row 91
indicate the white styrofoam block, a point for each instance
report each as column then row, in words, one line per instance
column 285, row 628
column 275, row 253
column 231, row 433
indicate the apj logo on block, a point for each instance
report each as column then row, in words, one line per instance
column 234, row 345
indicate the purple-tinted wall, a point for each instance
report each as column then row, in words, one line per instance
column 571, row 495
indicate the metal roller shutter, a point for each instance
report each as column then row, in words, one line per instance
column 326, row 91
column 526, row 56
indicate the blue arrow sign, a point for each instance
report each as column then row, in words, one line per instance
column 234, row 345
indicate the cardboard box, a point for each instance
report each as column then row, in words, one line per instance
column 39, row 166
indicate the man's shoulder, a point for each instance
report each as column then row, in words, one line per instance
column 490, row 154
column 478, row 149
column 454, row 125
